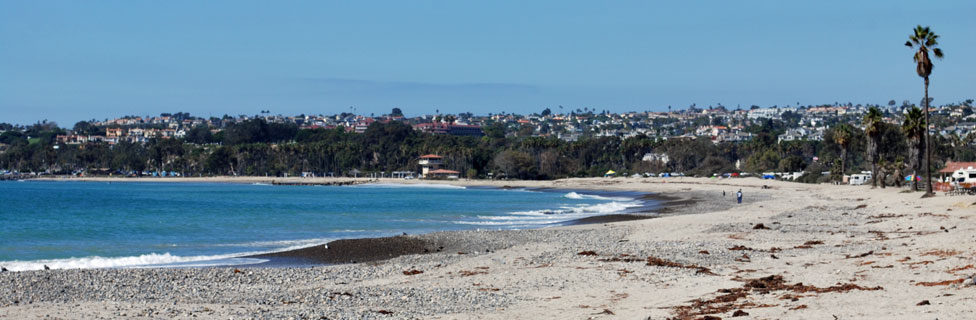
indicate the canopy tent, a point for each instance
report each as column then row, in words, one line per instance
column 610, row 173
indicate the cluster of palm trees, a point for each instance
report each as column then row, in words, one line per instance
column 914, row 126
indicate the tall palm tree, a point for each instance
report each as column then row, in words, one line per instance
column 899, row 175
column 914, row 128
column 842, row 137
column 924, row 39
column 872, row 128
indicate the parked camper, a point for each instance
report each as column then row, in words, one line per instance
column 859, row 179
column 967, row 175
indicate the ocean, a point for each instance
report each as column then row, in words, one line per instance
column 146, row 224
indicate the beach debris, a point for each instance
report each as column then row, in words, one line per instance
column 941, row 253
column 703, row 252
column 606, row 311
column 623, row 257
column 412, row 272
column 802, row 306
column 740, row 247
column 923, row 303
column 3, row 269
column 466, row 273
column 860, row 206
column 859, row 255
column 46, row 267
column 658, row 262
column 238, row 271
column 941, row 283
column 760, row 226
column 743, row 258
column 739, row 313
column 383, row 311
column 587, row 253
column 727, row 299
column 929, row 214
column 966, row 267
column 808, row 244
column 773, row 256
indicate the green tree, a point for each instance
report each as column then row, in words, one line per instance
column 914, row 128
column 842, row 137
column 872, row 128
column 924, row 39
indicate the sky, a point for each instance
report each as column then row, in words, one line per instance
column 67, row 61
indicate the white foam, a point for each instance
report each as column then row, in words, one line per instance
column 142, row 261
column 260, row 184
column 577, row 196
column 285, row 245
column 536, row 218
column 409, row 185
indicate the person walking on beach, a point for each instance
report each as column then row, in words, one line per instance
column 723, row 193
column 738, row 196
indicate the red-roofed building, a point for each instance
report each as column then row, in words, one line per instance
column 430, row 167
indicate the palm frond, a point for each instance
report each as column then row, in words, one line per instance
column 908, row 44
column 938, row 53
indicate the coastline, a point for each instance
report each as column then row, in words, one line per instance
column 371, row 249
column 858, row 252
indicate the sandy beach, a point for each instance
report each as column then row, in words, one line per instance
column 789, row 250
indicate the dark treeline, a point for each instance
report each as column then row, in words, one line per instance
column 259, row 148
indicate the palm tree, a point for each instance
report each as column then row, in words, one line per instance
column 882, row 172
column 842, row 137
column 872, row 128
column 914, row 127
column 924, row 39
column 899, row 175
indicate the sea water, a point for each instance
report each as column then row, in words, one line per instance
column 147, row 224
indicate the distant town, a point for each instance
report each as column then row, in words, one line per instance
column 716, row 123
column 816, row 143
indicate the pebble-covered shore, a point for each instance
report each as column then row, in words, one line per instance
column 789, row 251
column 361, row 290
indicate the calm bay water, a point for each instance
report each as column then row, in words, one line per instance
column 99, row 224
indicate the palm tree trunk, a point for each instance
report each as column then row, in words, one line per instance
column 874, row 175
column 928, row 144
column 843, row 162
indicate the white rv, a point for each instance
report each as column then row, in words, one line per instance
column 859, row 179
column 965, row 175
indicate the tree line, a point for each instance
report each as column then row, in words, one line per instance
column 258, row 148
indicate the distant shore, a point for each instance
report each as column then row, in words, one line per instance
column 789, row 250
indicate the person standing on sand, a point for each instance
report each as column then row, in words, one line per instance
column 738, row 196
column 723, row 193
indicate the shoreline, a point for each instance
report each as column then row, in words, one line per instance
column 372, row 249
column 788, row 251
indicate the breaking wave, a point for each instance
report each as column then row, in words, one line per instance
column 142, row 261
column 408, row 185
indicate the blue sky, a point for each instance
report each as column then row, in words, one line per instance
column 67, row 61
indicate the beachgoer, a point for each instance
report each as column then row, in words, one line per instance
column 738, row 196
column 723, row 193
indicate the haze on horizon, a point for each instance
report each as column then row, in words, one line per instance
column 67, row 61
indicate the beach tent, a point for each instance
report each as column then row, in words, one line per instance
column 610, row 173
